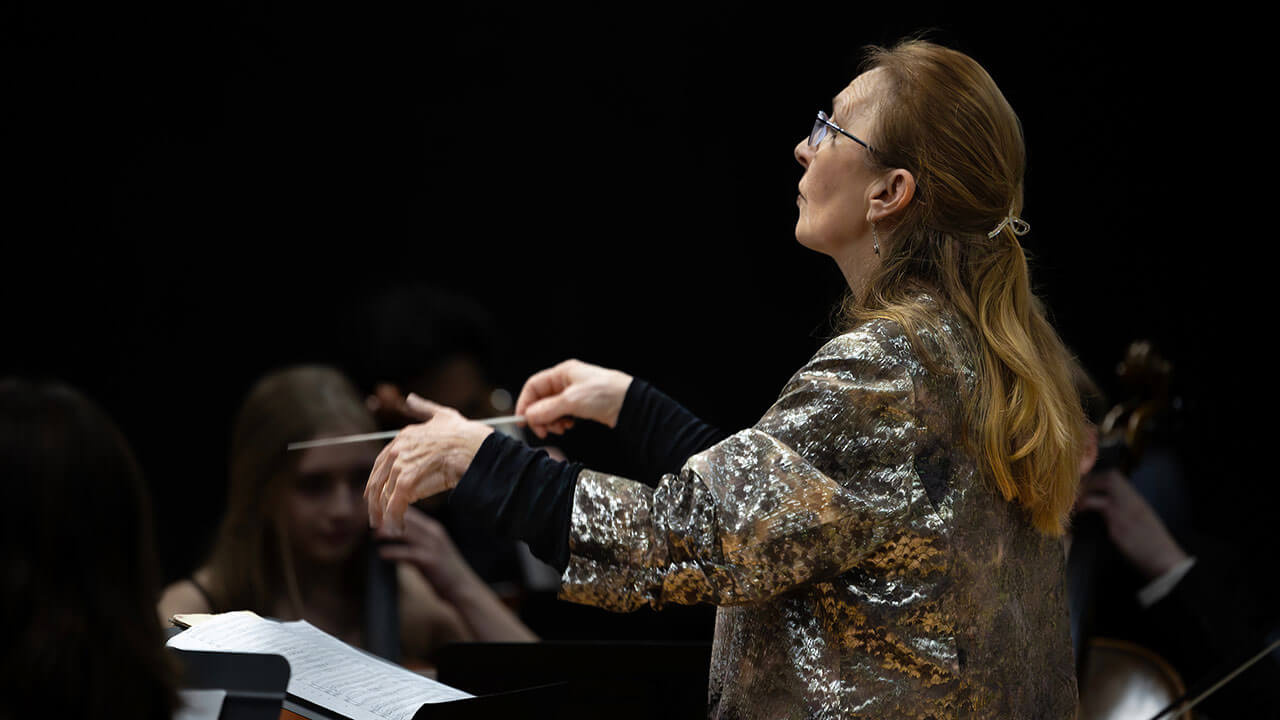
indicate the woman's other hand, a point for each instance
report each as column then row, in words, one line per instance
column 551, row 399
column 422, row 461
column 451, row 602
column 425, row 544
column 1133, row 525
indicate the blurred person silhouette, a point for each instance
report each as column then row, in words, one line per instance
column 443, row 346
column 1157, row 580
column 294, row 543
column 426, row 341
column 80, row 577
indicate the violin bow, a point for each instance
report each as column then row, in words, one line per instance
column 1183, row 704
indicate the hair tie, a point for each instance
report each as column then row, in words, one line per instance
column 1019, row 226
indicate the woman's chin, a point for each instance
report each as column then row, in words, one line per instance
column 807, row 240
column 331, row 551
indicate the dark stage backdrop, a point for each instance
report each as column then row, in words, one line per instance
column 196, row 194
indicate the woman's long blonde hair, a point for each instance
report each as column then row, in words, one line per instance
column 944, row 119
column 251, row 562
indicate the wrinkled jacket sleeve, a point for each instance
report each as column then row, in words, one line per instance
column 822, row 479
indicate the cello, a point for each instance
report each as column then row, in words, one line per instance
column 1118, row 679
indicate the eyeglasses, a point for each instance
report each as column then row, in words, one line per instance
column 819, row 131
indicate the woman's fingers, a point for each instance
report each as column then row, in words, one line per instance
column 416, row 531
column 552, row 398
column 541, row 384
column 421, row 461
column 383, row 479
column 377, row 480
column 415, row 523
column 384, row 500
column 411, row 478
column 407, row 470
column 548, row 414
column 398, row 503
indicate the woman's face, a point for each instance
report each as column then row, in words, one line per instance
column 835, row 188
column 324, row 508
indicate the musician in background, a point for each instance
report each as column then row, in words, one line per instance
column 80, row 576
column 1192, row 608
column 1133, row 525
column 294, row 543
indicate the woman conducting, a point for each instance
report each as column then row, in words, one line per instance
column 885, row 541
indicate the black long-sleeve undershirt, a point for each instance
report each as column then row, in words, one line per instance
column 523, row 494
column 659, row 433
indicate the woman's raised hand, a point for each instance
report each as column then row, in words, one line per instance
column 551, row 399
column 423, row 460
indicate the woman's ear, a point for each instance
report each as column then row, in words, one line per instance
column 890, row 195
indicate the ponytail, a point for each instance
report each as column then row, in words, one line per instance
column 946, row 122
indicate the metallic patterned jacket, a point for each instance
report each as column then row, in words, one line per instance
column 862, row 566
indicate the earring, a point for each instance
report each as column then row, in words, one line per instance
column 875, row 239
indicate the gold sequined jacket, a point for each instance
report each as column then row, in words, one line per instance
column 862, row 566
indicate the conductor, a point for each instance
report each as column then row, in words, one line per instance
column 886, row 541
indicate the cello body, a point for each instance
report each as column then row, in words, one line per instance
column 1125, row 681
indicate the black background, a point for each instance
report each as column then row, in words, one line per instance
column 196, row 193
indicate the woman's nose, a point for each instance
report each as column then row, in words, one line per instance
column 344, row 501
column 804, row 153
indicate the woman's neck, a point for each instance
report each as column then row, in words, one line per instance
column 856, row 262
column 326, row 599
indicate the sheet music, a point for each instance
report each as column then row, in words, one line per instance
column 325, row 670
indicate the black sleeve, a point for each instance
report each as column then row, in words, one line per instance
column 520, row 493
column 659, row 433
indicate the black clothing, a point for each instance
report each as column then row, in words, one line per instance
column 204, row 593
column 660, row 433
column 529, row 496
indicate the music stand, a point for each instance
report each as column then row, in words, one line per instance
column 255, row 683
column 616, row 680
